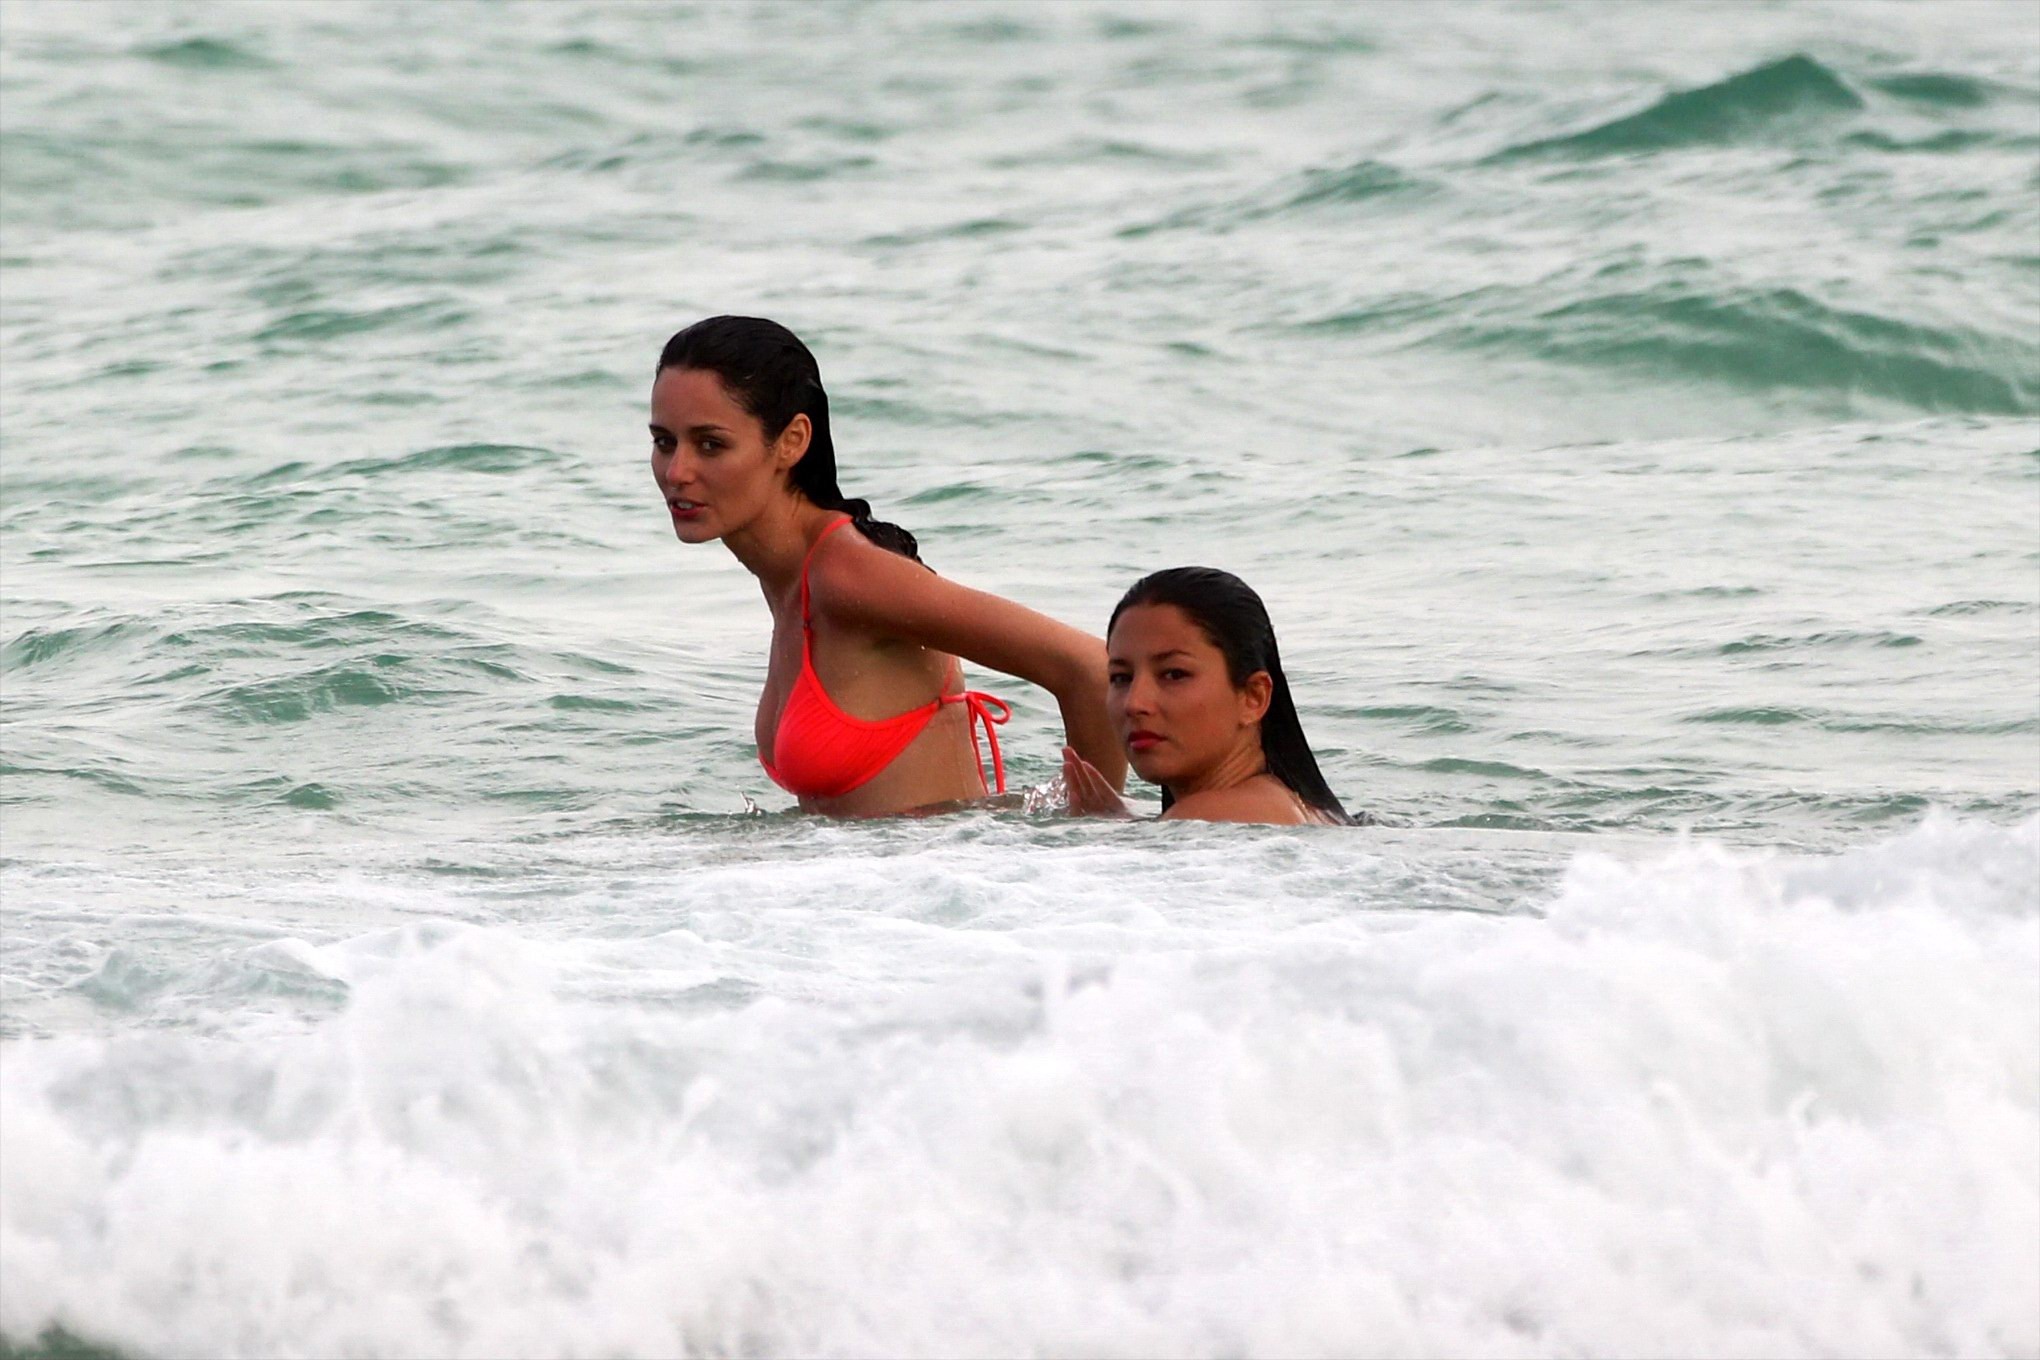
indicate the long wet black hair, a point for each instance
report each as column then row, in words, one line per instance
column 1228, row 612
column 774, row 377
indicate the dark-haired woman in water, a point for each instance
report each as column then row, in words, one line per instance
column 865, row 712
column 1197, row 698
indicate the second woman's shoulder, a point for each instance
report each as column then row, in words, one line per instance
column 1262, row 800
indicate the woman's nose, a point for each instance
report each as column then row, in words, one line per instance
column 674, row 473
column 1140, row 695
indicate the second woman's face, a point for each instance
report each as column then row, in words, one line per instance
column 710, row 456
column 1169, row 696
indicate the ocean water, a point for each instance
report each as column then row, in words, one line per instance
column 1631, row 415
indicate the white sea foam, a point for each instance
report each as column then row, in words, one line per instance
column 1703, row 1102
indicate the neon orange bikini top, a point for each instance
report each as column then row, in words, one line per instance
column 819, row 751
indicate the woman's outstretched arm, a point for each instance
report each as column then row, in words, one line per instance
column 883, row 593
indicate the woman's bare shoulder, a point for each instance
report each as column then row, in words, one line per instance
column 1262, row 800
column 853, row 579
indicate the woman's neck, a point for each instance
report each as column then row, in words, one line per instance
column 1244, row 762
column 773, row 546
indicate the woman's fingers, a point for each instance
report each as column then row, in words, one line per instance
column 1079, row 778
column 1090, row 793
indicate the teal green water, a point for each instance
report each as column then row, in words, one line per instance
column 1623, row 440
column 1631, row 415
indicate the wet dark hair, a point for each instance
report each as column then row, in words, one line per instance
column 774, row 377
column 1228, row 612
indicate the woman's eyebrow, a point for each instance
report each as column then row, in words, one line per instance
column 657, row 428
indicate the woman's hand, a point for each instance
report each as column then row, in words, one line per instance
column 1090, row 793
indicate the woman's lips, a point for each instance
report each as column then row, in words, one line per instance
column 1141, row 740
column 685, row 509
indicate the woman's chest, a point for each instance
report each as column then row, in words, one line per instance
column 783, row 663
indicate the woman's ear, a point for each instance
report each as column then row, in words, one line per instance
column 1254, row 697
column 793, row 441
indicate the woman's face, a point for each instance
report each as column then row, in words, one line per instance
column 710, row 457
column 1170, row 699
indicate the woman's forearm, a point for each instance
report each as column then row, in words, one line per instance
column 885, row 594
column 1081, row 695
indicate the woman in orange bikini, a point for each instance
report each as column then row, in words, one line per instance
column 865, row 712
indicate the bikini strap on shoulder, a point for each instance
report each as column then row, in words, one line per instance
column 834, row 525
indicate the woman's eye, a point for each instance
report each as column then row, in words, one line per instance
column 711, row 445
column 1175, row 673
column 1118, row 680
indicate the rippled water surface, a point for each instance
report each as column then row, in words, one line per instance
column 1631, row 415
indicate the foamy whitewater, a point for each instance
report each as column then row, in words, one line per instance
column 1631, row 415
column 980, row 1089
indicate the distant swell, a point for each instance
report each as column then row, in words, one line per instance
column 204, row 54
column 1773, row 339
column 1765, row 340
column 1310, row 191
column 1937, row 88
column 1779, row 94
